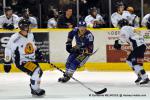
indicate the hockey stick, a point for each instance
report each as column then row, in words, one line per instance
column 93, row 52
column 96, row 92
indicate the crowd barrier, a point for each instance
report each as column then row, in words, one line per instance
column 52, row 44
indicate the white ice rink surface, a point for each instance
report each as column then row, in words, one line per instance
column 15, row 86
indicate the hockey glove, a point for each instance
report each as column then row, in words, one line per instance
column 11, row 27
column 39, row 56
column 8, row 26
column 5, row 25
column 7, row 66
column 117, row 45
column 69, row 47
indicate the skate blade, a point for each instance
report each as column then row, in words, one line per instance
column 145, row 85
column 138, row 83
column 36, row 96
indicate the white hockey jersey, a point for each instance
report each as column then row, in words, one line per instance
column 90, row 20
column 33, row 22
column 134, row 20
column 116, row 17
column 26, row 47
column 145, row 19
column 52, row 23
column 129, row 35
column 13, row 20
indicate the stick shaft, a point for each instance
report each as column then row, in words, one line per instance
column 72, row 78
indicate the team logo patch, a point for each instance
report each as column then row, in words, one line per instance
column 29, row 49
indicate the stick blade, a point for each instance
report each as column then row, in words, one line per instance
column 101, row 91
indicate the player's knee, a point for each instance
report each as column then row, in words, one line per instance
column 67, row 64
column 142, row 71
column 137, row 62
column 37, row 73
column 140, row 61
column 73, row 66
column 32, row 81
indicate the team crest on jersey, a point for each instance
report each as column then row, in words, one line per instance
column 29, row 49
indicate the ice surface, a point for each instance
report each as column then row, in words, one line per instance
column 15, row 86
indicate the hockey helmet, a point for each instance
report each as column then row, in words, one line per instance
column 24, row 23
column 81, row 24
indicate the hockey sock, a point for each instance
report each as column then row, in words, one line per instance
column 140, row 71
column 69, row 72
column 35, row 79
column 130, row 64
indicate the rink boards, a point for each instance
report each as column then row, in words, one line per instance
column 106, row 59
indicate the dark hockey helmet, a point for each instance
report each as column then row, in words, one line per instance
column 148, row 23
column 81, row 24
column 123, row 22
column 24, row 23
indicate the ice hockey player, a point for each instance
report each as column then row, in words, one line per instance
column 22, row 51
column 148, row 23
column 79, row 53
column 26, row 15
column 145, row 20
column 9, row 20
column 119, row 14
column 132, row 36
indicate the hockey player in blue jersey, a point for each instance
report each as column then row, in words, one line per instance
column 79, row 53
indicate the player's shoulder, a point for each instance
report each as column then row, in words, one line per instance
column 124, row 27
column 15, row 16
column 125, row 11
column 76, row 29
column 127, row 28
column 32, row 18
column 88, row 32
column 146, row 16
column 15, row 37
column 134, row 15
column 2, row 16
column 30, row 34
column 114, row 14
column 98, row 15
column 51, row 20
column 88, row 16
